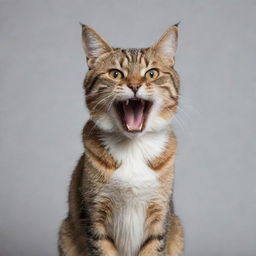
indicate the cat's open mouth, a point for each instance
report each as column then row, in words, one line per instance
column 133, row 113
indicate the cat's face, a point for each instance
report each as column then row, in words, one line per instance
column 131, row 91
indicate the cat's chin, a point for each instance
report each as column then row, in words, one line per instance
column 133, row 115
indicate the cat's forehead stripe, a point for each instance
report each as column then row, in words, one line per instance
column 127, row 55
column 139, row 57
column 133, row 56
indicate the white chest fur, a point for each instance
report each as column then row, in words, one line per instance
column 132, row 186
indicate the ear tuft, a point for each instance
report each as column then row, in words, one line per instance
column 177, row 24
column 167, row 45
column 94, row 45
column 82, row 25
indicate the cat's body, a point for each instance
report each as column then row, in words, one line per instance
column 120, row 200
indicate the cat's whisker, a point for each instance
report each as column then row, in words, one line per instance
column 92, row 129
column 110, row 99
column 102, row 101
column 96, row 93
column 186, row 102
column 180, row 124
column 182, row 111
column 99, row 120
column 111, row 103
column 178, row 107
column 181, row 120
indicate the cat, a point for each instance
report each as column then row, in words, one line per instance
column 120, row 198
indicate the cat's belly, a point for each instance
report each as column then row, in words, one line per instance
column 131, row 192
column 128, row 225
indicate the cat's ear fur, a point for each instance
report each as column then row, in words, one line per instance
column 167, row 45
column 94, row 45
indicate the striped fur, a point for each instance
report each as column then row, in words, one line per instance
column 120, row 197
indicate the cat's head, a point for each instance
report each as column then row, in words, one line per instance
column 131, row 91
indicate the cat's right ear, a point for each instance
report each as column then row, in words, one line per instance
column 166, row 46
column 94, row 45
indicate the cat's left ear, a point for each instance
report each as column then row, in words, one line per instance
column 94, row 45
column 167, row 45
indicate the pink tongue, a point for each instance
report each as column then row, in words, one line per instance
column 133, row 115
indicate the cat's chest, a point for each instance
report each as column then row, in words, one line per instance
column 132, row 186
column 134, row 180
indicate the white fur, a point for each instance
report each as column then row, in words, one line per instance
column 133, row 184
column 105, row 123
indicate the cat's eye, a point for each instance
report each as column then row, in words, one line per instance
column 152, row 74
column 116, row 74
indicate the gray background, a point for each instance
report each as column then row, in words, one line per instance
column 42, row 115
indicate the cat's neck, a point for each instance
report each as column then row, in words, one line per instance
column 156, row 148
column 148, row 145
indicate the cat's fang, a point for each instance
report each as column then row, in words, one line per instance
column 130, row 128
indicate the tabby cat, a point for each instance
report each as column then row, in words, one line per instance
column 120, row 199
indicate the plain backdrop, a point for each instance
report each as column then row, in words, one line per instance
column 42, row 66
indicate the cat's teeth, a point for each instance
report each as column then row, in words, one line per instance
column 127, row 102
column 130, row 128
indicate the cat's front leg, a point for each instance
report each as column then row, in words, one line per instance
column 155, row 243
column 154, row 246
column 99, row 242
column 103, row 247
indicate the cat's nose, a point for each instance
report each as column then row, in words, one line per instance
column 134, row 87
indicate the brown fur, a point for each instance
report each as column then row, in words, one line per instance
column 85, row 231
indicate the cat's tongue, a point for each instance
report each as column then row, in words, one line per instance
column 133, row 114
